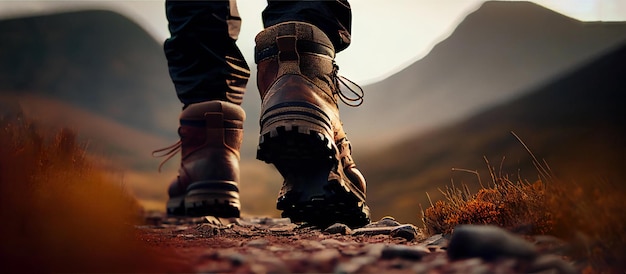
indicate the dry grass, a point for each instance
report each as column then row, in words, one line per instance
column 516, row 206
column 60, row 210
column 588, row 215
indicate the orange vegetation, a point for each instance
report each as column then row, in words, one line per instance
column 518, row 208
column 61, row 211
column 590, row 216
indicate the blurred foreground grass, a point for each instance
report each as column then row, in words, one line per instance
column 61, row 210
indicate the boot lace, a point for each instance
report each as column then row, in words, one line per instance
column 168, row 152
column 355, row 98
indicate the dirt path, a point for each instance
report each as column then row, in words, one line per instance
column 268, row 245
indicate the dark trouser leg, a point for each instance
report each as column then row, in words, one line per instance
column 333, row 17
column 203, row 59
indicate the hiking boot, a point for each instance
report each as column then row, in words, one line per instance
column 210, row 137
column 301, row 133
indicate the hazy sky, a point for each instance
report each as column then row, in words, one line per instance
column 386, row 37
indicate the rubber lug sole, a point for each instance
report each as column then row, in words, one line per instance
column 305, row 158
column 218, row 199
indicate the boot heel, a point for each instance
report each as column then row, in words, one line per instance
column 296, row 133
column 212, row 198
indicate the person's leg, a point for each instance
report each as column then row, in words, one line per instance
column 334, row 18
column 301, row 133
column 210, row 75
column 203, row 59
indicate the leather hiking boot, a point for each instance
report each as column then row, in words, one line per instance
column 301, row 133
column 210, row 138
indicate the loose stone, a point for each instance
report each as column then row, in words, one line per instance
column 386, row 221
column 489, row 243
column 404, row 252
column 338, row 229
column 371, row 231
column 408, row 232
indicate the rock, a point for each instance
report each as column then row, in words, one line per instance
column 283, row 229
column 258, row 243
column 386, row 221
column 338, row 229
column 371, row 231
column 404, row 252
column 489, row 243
column 408, row 232
column 437, row 239
column 208, row 229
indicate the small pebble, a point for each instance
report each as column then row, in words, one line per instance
column 371, row 231
column 408, row 232
column 338, row 229
column 404, row 252
column 386, row 221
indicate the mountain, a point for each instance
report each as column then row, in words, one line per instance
column 98, row 60
column 576, row 123
column 497, row 53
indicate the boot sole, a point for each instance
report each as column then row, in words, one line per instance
column 298, row 145
column 207, row 198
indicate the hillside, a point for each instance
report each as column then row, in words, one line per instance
column 97, row 60
column 497, row 53
column 577, row 123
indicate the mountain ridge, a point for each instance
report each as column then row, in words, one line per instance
column 576, row 123
column 494, row 55
column 97, row 59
